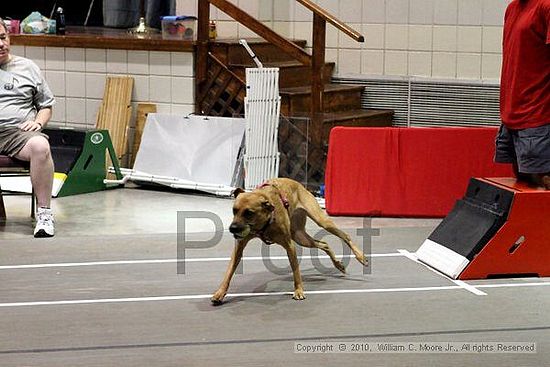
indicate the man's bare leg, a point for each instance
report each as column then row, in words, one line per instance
column 37, row 152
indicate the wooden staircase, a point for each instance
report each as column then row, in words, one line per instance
column 311, row 105
column 226, row 89
column 342, row 103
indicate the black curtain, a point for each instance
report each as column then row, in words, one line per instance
column 20, row 9
column 156, row 9
column 75, row 10
column 110, row 13
column 126, row 13
column 121, row 13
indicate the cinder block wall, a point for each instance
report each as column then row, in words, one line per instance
column 77, row 78
column 451, row 39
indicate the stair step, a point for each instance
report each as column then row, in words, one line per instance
column 296, row 101
column 330, row 87
column 230, row 51
column 253, row 41
column 291, row 73
column 351, row 118
column 356, row 118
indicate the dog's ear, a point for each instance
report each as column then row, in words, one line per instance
column 268, row 206
column 237, row 192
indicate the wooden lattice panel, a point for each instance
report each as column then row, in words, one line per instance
column 300, row 160
column 223, row 93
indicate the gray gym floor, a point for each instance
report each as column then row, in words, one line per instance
column 105, row 291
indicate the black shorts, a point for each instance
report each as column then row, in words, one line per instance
column 529, row 148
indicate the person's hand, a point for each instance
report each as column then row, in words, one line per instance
column 30, row 125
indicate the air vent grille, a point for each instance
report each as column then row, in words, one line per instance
column 430, row 102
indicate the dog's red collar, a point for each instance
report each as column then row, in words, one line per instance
column 284, row 200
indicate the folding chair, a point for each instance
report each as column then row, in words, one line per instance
column 14, row 167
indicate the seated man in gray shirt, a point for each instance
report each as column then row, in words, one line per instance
column 25, row 108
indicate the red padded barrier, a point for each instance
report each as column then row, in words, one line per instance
column 413, row 172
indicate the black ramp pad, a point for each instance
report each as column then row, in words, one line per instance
column 474, row 220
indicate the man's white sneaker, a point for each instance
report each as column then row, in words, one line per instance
column 44, row 223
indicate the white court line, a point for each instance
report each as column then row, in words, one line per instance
column 164, row 261
column 262, row 294
column 511, row 285
column 460, row 283
column 468, row 287
column 208, row 296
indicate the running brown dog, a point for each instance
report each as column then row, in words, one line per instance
column 276, row 213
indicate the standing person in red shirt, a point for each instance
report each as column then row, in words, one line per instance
column 524, row 136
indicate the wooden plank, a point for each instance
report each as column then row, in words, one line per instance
column 201, row 62
column 115, row 111
column 124, row 133
column 2, row 207
column 322, row 13
column 143, row 109
column 318, row 63
column 317, row 70
column 105, row 38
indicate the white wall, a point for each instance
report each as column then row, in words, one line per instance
column 452, row 39
column 77, row 78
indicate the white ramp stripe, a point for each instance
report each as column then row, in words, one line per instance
column 460, row 283
column 165, row 261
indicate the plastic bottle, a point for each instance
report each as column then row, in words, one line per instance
column 212, row 32
column 59, row 21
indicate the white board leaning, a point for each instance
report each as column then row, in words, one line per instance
column 192, row 152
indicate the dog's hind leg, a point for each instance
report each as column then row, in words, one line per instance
column 317, row 214
column 236, row 256
column 359, row 255
column 301, row 237
column 304, row 239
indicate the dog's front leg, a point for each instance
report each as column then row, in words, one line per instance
column 298, row 286
column 236, row 256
